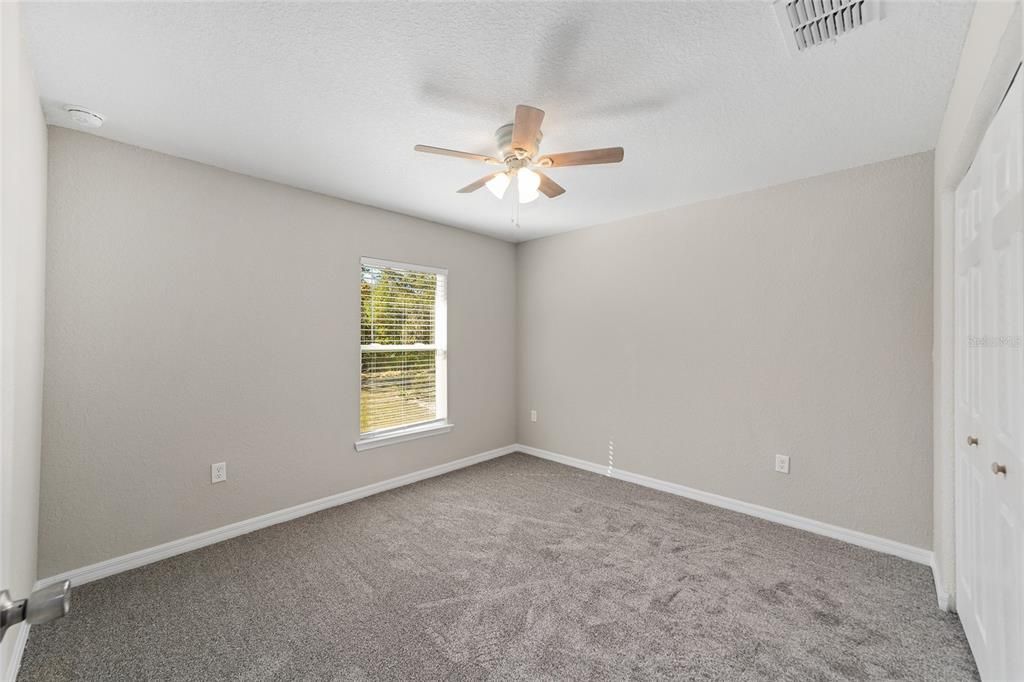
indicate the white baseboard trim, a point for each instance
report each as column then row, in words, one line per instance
column 103, row 569
column 14, row 665
column 944, row 598
column 909, row 552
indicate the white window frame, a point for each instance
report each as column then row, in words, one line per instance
column 439, row 425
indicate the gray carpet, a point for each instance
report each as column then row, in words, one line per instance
column 513, row 569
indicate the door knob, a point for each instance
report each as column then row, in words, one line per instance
column 972, row 441
column 49, row 603
column 42, row 606
column 998, row 469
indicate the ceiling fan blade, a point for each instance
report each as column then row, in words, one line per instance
column 526, row 127
column 477, row 184
column 549, row 187
column 583, row 158
column 457, row 154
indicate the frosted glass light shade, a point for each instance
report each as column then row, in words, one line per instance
column 498, row 184
column 528, row 184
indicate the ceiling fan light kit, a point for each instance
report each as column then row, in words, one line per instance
column 518, row 148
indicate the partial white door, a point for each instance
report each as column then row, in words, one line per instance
column 989, row 320
column 5, row 454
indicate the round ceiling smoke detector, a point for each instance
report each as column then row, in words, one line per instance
column 84, row 117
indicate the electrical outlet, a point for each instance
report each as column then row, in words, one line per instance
column 782, row 464
column 218, row 472
column 533, row 415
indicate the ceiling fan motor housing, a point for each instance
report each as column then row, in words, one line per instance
column 507, row 152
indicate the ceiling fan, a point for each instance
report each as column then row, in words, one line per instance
column 518, row 147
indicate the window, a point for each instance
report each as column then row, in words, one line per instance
column 403, row 349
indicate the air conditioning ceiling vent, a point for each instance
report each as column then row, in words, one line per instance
column 807, row 23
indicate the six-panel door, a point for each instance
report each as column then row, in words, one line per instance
column 989, row 389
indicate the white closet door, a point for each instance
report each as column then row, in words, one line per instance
column 973, row 599
column 1005, row 149
column 990, row 396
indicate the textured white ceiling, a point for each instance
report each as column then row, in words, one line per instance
column 704, row 96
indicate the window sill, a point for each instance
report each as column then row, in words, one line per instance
column 403, row 435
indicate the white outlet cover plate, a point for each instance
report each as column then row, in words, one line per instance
column 782, row 464
column 219, row 472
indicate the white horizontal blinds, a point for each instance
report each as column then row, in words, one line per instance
column 398, row 389
column 401, row 346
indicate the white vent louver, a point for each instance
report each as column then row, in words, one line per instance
column 807, row 23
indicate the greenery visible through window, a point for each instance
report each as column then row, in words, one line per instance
column 402, row 346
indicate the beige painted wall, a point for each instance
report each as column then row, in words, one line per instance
column 707, row 338
column 991, row 52
column 22, row 252
column 196, row 315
